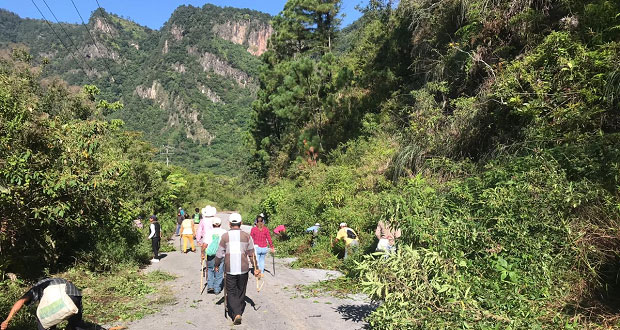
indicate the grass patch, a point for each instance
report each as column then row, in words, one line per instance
column 124, row 294
column 340, row 287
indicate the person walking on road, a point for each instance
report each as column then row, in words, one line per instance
column 180, row 219
column 39, row 292
column 188, row 232
column 236, row 249
column 205, row 225
column 351, row 242
column 212, row 243
column 197, row 216
column 261, row 237
column 155, row 237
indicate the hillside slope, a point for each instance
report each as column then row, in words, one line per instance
column 188, row 85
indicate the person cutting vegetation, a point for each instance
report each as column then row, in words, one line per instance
column 351, row 242
column 58, row 300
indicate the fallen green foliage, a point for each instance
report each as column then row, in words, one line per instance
column 123, row 294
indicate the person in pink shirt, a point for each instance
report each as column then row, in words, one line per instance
column 280, row 232
column 261, row 237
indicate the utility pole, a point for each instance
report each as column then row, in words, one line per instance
column 167, row 149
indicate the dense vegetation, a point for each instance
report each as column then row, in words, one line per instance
column 71, row 183
column 203, row 114
column 487, row 131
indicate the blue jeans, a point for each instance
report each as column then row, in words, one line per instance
column 215, row 279
column 261, row 254
column 178, row 229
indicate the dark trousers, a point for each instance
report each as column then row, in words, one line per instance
column 235, row 292
column 75, row 321
column 155, row 246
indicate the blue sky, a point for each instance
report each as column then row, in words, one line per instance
column 152, row 13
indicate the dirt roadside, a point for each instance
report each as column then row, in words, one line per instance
column 278, row 305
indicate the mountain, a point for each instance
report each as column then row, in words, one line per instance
column 189, row 85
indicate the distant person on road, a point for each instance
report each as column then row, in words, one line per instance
column 205, row 225
column 188, row 232
column 197, row 216
column 387, row 236
column 237, row 251
column 155, row 237
column 212, row 244
column 38, row 292
column 351, row 242
column 261, row 237
column 180, row 219
column 315, row 233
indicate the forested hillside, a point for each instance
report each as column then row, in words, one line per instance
column 487, row 131
column 188, row 85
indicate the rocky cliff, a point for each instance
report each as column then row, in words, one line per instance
column 253, row 34
column 189, row 85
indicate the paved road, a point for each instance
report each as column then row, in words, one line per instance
column 279, row 305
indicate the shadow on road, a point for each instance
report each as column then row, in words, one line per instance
column 355, row 313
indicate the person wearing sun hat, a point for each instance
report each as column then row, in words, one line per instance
column 205, row 225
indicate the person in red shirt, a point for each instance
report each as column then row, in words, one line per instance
column 261, row 237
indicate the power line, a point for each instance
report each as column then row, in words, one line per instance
column 58, row 37
column 67, row 34
column 92, row 38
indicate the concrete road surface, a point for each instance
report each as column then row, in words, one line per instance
column 279, row 305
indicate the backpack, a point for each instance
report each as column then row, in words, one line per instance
column 196, row 218
column 215, row 244
column 351, row 234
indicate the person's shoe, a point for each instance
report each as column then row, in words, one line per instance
column 210, row 290
column 154, row 260
column 237, row 320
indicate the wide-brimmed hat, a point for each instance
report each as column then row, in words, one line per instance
column 235, row 218
column 209, row 211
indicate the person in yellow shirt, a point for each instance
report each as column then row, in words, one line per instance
column 188, row 231
column 351, row 242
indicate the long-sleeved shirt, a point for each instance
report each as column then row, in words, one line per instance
column 205, row 225
column 235, row 248
column 261, row 237
column 386, row 231
column 154, row 230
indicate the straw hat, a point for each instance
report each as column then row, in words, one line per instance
column 209, row 211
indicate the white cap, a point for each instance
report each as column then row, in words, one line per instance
column 317, row 224
column 217, row 221
column 209, row 211
column 235, row 218
column 343, row 224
